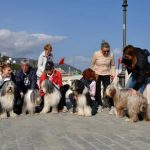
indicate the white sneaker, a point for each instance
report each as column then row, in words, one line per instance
column 65, row 109
column 100, row 109
column 111, row 112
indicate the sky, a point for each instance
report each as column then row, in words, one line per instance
column 75, row 28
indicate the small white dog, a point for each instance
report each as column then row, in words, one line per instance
column 51, row 98
column 83, row 99
column 32, row 99
column 7, row 95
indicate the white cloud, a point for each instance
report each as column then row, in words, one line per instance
column 23, row 43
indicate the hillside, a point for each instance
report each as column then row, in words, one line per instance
column 65, row 67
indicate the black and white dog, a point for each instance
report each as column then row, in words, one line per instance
column 51, row 98
column 7, row 96
column 32, row 99
column 82, row 97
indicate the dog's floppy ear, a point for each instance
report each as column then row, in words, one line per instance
column 3, row 91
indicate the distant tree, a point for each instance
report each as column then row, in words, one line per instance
column 5, row 58
column 15, row 67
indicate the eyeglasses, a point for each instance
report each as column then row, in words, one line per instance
column 106, row 51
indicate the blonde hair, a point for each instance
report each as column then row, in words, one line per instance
column 48, row 47
column 105, row 44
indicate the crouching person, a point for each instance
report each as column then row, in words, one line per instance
column 53, row 88
column 26, row 79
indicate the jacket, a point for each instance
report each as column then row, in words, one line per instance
column 56, row 79
column 103, row 65
column 42, row 62
column 25, row 81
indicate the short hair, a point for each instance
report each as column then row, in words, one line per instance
column 105, row 44
column 48, row 46
column 25, row 62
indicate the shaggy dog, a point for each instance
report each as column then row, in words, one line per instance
column 130, row 100
column 7, row 94
column 82, row 97
column 51, row 98
column 32, row 99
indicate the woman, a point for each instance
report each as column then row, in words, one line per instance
column 136, row 62
column 54, row 76
column 104, row 67
column 46, row 56
column 6, row 74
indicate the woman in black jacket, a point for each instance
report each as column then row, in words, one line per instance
column 136, row 62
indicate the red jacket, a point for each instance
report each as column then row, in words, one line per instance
column 56, row 79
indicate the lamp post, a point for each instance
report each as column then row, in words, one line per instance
column 122, row 74
column 10, row 61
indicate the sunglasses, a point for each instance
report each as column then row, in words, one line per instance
column 106, row 51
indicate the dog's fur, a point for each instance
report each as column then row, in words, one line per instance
column 32, row 99
column 125, row 100
column 51, row 98
column 7, row 95
column 83, row 99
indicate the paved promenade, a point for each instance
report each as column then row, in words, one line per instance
column 65, row 131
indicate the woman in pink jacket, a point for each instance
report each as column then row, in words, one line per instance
column 104, row 66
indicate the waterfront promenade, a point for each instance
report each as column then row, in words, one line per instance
column 65, row 131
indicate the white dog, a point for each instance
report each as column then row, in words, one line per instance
column 7, row 95
column 51, row 98
column 83, row 99
column 32, row 99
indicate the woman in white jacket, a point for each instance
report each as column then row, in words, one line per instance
column 46, row 56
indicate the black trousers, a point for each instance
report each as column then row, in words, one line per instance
column 105, row 80
column 18, row 103
column 63, row 91
column 73, row 101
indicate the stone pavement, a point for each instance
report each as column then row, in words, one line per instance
column 65, row 131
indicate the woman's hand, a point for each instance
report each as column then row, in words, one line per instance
column 112, row 77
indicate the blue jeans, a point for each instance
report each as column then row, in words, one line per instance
column 133, row 80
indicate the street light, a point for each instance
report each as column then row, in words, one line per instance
column 122, row 74
column 10, row 61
